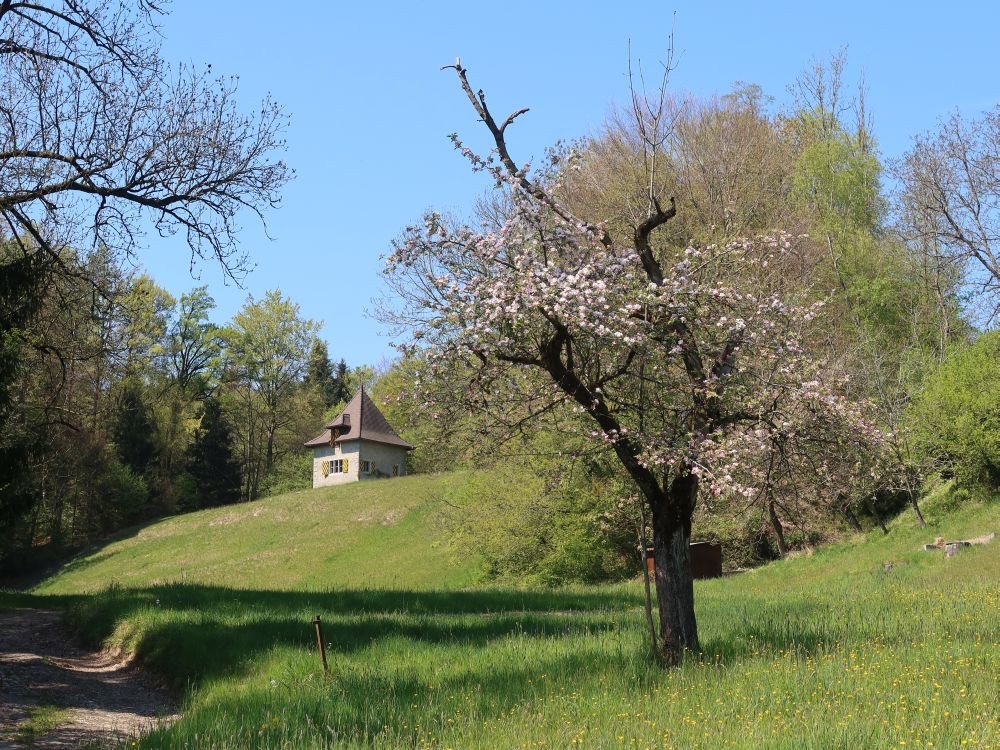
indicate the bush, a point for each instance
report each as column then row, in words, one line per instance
column 127, row 492
column 292, row 472
column 955, row 420
column 531, row 526
column 189, row 497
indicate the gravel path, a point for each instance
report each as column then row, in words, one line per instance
column 41, row 666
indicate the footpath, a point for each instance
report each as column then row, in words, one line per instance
column 90, row 697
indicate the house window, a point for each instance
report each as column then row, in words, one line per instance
column 338, row 466
column 395, row 470
column 366, row 467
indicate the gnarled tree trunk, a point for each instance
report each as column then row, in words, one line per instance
column 674, row 582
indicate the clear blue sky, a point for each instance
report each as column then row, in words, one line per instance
column 370, row 109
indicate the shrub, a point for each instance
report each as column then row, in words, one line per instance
column 127, row 492
column 531, row 526
column 955, row 420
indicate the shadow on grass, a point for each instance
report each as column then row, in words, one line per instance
column 190, row 633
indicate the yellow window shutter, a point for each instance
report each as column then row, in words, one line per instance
column 345, row 465
column 326, row 468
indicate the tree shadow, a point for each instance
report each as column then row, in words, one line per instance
column 193, row 632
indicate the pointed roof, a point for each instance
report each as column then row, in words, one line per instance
column 360, row 419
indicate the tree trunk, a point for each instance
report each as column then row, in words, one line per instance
column 851, row 518
column 269, row 457
column 878, row 518
column 912, row 494
column 674, row 583
column 779, row 531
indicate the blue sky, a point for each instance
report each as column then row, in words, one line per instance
column 370, row 109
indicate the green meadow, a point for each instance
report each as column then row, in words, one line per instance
column 868, row 643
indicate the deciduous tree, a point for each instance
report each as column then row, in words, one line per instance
column 100, row 135
column 686, row 361
column 267, row 354
column 951, row 197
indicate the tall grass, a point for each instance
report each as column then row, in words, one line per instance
column 870, row 643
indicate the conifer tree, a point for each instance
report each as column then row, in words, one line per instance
column 319, row 373
column 133, row 432
column 210, row 461
column 341, row 381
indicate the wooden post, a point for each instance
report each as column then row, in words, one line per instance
column 319, row 641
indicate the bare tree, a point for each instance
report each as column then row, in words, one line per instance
column 819, row 91
column 951, row 198
column 97, row 133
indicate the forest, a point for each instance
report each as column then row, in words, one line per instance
column 128, row 404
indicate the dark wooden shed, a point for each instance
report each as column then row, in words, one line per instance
column 705, row 557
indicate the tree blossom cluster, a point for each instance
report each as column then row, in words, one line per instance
column 497, row 298
column 684, row 361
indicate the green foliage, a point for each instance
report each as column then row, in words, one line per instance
column 439, row 445
column 944, row 497
column 145, row 311
column 955, row 420
column 545, row 519
column 333, row 385
column 837, row 175
column 837, row 183
column 267, row 355
column 293, row 471
column 21, row 281
column 362, row 376
column 133, row 431
column 126, row 493
column 212, row 474
column 193, row 344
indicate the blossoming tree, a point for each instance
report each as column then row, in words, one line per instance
column 687, row 363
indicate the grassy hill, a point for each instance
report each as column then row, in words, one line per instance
column 367, row 534
column 833, row 649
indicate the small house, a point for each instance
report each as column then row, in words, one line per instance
column 358, row 444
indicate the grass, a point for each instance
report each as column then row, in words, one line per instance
column 40, row 721
column 829, row 650
column 359, row 535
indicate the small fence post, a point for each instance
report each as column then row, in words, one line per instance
column 319, row 641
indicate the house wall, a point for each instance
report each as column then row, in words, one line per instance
column 347, row 449
column 384, row 456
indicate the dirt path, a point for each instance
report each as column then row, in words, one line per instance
column 40, row 666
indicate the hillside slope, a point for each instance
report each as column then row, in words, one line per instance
column 368, row 534
column 868, row 643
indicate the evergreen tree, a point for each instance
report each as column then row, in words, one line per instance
column 134, row 432
column 341, row 381
column 210, row 462
column 319, row 373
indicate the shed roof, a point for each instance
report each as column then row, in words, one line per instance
column 360, row 419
